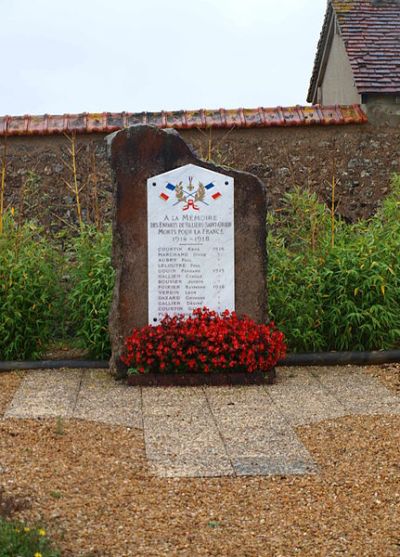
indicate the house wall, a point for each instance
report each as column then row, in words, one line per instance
column 362, row 159
column 382, row 109
column 338, row 86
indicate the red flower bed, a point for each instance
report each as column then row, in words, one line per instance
column 203, row 343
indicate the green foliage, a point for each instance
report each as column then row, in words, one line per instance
column 295, row 296
column 332, row 285
column 18, row 540
column 344, row 296
column 92, row 280
column 30, row 293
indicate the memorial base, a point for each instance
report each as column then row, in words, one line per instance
column 199, row 379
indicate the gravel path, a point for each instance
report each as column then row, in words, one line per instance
column 211, row 431
column 91, row 486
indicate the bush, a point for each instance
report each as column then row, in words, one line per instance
column 335, row 295
column 203, row 343
column 295, row 297
column 30, row 293
column 18, row 540
column 92, row 279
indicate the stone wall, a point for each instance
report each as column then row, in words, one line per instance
column 384, row 109
column 362, row 158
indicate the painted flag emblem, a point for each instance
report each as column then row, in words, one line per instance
column 188, row 196
column 215, row 195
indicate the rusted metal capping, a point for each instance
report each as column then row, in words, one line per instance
column 107, row 122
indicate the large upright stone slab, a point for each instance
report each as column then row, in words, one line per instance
column 140, row 157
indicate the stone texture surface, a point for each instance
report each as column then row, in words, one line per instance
column 362, row 158
column 46, row 393
column 211, row 431
column 304, row 400
column 103, row 400
column 76, row 393
column 136, row 154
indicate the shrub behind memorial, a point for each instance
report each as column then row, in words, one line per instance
column 30, row 292
column 332, row 285
column 91, row 278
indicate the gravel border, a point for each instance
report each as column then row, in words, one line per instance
column 103, row 501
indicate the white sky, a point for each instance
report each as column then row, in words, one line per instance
column 134, row 55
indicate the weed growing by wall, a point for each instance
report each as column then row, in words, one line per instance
column 91, row 278
column 30, row 292
column 335, row 296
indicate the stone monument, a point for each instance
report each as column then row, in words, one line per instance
column 186, row 234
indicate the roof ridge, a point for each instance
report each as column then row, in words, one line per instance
column 107, row 122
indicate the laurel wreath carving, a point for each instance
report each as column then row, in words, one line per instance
column 198, row 196
column 200, row 193
column 179, row 192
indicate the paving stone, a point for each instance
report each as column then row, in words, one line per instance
column 46, row 393
column 199, row 470
column 104, row 400
column 303, row 405
column 295, row 376
column 317, row 371
column 271, row 466
column 210, row 431
column 248, row 394
column 258, row 439
column 371, row 407
column 189, row 444
column 360, row 393
column 174, row 401
column 245, row 407
column 306, row 404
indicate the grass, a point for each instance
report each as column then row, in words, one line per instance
column 19, row 540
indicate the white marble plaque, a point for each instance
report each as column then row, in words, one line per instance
column 191, row 262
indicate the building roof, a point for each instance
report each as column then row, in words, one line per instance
column 371, row 34
column 107, row 122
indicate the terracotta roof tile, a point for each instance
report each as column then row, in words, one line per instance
column 107, row 122
column 371, row 33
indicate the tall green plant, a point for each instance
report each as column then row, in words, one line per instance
column 295, row 296
column 92, row 279
column 344, row 296
column 30, row 293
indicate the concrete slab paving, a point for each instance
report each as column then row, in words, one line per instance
column 306, row 404
column 359, row 393
column 253, row 451
column 355, row 384
column 189, row 444
column 102, row 399
column 272, row 466
column 210, row 431
column 173, row 401
column 47, row 393
column 257, row 437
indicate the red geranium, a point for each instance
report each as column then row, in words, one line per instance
column 204, row 342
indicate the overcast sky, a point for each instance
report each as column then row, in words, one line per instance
column 133, row 55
